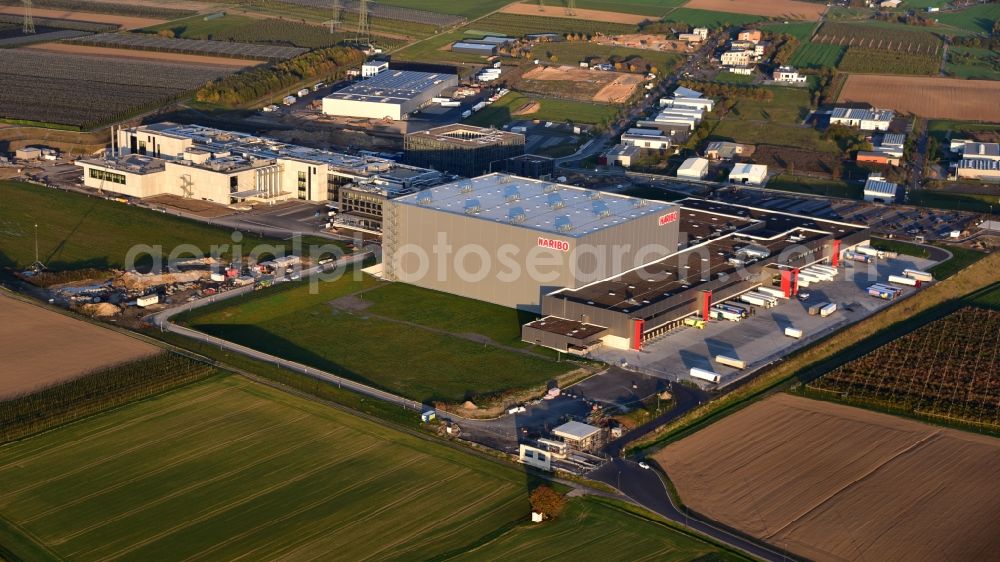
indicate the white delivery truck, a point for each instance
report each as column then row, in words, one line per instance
column 288, row 100
column 303, row 92
column 773, row 291
column 704, row 375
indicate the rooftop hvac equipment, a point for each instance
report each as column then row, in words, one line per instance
column 600, row 208
column 511, row 193
column 596, row 195
column 516, row 215
column 472, row 206
column 549, row 188
column 637, row 203
column 555, row 201
column 466, row 187
column 425, row 199
column 563, row 223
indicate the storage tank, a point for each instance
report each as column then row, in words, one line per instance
column 704, row 375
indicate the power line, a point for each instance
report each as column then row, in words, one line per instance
column 29, row 23
column 570, row 7
column 364, row 33
column 335, row 17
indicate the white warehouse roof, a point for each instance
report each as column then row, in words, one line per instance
column 391, row 86
column 540, row 205
column 575, row 430
column 693, row 168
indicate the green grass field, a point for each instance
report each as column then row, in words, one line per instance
column 815, row 186
column 76, row 231
column 975, row 19
column 402, row 339
column 710, row 19
column 970, row 63
column 592, row 529
column 817, row 55
column 228, row 468
column 800, row 30
column 726, row 77
column 776, row 121
column 501, row 111
column 788, row 105
column 975, row 202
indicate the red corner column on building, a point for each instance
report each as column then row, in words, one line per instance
column 637, row 326
column 706, row 304
column 790, row 282
column 835, row 255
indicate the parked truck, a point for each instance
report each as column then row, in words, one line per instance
column 901, row 280
column 733, row 308
column 288, row 100
column 816, row 308
column 856, row 256
column 466, row 114
column 303, row 92
column 723, row 314
column 731, row 362
column 694, row 322
column 793, row 333
column 704, row 375
column 828, row 310
column 479, row 106
column 884, row 293
column 924, row 276
column 754, row 300
column 773, row 291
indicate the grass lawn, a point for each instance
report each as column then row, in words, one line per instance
column 594, row 529
column 789, row 106
column 76, row 231
column 517, row 25
column 817, row 55
column 975, row 202
column 436, row 49
column 655, row 193
column 501, row 111
column 961, row 259
column 421, row 364
column 727, row 77
column 710, row 19
column 977, row 66
column 228, row 469
column 800, row 30
column 975, row 19
column 900, row 247
column 572, row 52
column 827, row 187
column 769, row 132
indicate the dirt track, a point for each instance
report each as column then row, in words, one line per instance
column 523, row 9
column 942, row 98
column 143, row 55
column 789, row 9
column 41, row 347
column 831, row 482
column 612, row 87
column 127, row 22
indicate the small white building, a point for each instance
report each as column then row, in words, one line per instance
column 748, row 174
column 578, row 435
column 877, row 190
column 693, row 168
column 789, row 75
column 864, row 119
column 646, row 138
column 744, row 70
column 373, row 67
column 622, row 155
column 690, row 103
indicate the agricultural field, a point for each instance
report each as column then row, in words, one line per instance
column 53, row 348
column 795, row 160
column 78, row 20
column 581, row 14
column 643, row 7
column 403, row 11
column 828, row 482
column 974, row 19
column 573, row 82
column 940, row 98
column 943, row 371
column 786, row 9
column 465, row 9
column 264, row 31
column 710, row 19
column 973, row 64
column 227, row 469
column 68, row 48
column 817, row 55
column 514, row 106
column 146, row 42
column 76, row 231
column 516, row 25
column 118, row 8
column 572, row 52
column 85, row 92
column 801, row 30
column 880, row 36
column 874, row 61
column 336, row 330
column 769, row 132
column 610, row 531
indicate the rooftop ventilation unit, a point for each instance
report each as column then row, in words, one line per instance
column 563, row 223
column 596, row 195
column 511, row 193
column 555, row 201
column 466, row 187
column 637, row 203
column 549, row 188
column 516, row 215
column 472, row 206
column 601, row 209
column 425, row 199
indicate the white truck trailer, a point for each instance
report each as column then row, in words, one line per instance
column 704, row 375
column 924, row 276
column 828, row 310
column 750, row 298
column 773, row 291
column 901, row 280
column 731, row 362
column 793, row 333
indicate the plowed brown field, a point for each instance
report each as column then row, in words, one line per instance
column 789, row 9
column 127, row 22
column 832, row 482
column 41, row 347
column 941, row 98
column 534, row 9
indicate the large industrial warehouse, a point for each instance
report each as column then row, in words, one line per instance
column 732, row 249
column 509, row 240
column 603, row 269
column 391, row 94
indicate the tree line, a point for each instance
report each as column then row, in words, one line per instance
column 254, row 83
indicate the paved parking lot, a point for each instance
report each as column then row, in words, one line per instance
column 760, row 340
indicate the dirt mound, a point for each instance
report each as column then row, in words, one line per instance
column 468, row 405
column 528, row 108
column 141, row 281
column 101, row 310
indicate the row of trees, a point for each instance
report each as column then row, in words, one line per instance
column 715, row 89
column 254, row 83
column 784, row 46
column 95, row 392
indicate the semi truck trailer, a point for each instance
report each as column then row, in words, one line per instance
column 704, row 375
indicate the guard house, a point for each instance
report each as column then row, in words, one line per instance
column 579, row 435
